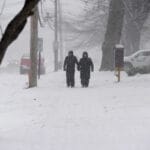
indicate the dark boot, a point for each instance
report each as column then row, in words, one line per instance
column 86, row 82
column 72, row 80
column 83, row 83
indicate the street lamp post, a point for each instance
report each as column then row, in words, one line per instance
column 56, row 43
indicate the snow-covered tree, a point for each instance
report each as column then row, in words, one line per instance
column 15, row 26
column 113, row 34
column 136, row 13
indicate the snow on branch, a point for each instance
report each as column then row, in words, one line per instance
column 16, row 25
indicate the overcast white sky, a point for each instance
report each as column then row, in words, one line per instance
column 74, row 6
column 12, row 6
column 70, row 7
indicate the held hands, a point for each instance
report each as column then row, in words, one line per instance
column 78, row 68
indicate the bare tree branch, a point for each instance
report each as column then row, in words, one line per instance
column 1, row 12
column 15, row 26
column 3, row 6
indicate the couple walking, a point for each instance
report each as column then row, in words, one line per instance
column 85, row 66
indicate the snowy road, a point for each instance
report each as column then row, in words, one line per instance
column 106, row 116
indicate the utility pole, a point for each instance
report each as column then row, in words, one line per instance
column 60, row 33
column 56, row 43
column 33, row 49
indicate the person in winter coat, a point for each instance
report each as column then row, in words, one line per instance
column 69, row 67
column 85, row 67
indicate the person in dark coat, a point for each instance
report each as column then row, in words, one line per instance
column 69, row 67
column 85, row 67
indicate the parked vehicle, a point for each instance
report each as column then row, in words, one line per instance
column 25, row 65
column 138, row 62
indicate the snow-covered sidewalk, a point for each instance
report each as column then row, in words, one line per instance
column 105, row 116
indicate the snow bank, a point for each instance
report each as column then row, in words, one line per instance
column 107, row 115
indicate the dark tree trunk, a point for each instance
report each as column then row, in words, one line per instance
column 113, row 34
column 132, row 39
column 136, row 13
column 15, row 26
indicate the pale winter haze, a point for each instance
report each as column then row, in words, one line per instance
column 22, row 44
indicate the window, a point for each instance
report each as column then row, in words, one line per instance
column 143, row 54
column 146, row 53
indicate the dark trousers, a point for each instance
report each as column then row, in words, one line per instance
column 70, row 79
column 84, row 82
column 85, row 77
